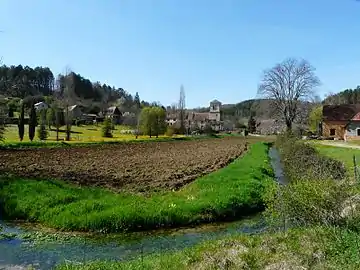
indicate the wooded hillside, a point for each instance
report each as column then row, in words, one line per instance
column 21, row 82
column 348, row 96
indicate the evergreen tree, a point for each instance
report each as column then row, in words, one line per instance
column 21, row 124
column 42, row 132
column 50, row 117
column 137, row 102
column 32, row 123
column 106, row 129
column 181, row 108
column 252, row 124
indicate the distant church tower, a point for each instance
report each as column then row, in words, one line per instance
column 214, row 113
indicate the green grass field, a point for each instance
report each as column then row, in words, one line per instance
column 341, row 153
column 233, row 191
column 89, row 133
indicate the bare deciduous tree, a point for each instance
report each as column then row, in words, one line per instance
column 181, row 108
column 65, row 97
column 287, row 84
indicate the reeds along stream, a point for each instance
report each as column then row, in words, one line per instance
column 18, row 252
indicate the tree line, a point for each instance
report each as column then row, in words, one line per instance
column 347, row 96
column 38, row 83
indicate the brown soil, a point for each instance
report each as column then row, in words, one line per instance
column 140, row 167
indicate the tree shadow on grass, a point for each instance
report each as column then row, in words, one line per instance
column 64, row 131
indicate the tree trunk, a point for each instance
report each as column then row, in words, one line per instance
column 288, row 126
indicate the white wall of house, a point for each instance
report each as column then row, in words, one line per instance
column 41, row 106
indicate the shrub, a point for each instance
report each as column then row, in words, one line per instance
column 169, row 131
column 106, row 129
column 303, row 162
column 312, row 197
column 308, row 202
column 42, row 132
column 208, row 130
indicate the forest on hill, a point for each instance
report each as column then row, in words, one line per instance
column 347, row 96
column 22, row 82
column 260, row 108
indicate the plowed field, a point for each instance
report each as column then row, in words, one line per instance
column 138, row 167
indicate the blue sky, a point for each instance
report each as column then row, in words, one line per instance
column 216, row 49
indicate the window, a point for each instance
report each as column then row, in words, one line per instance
column 358, row 131
column 332, row 132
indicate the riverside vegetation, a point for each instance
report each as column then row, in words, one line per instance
column 230, row 192
column 314, row 224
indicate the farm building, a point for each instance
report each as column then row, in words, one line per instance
column 114, row 113
column 41, row 106
column 341, row 122
column 76, row 112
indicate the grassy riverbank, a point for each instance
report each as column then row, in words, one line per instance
column 306, row 248
column 233, row 191
column 321, row 236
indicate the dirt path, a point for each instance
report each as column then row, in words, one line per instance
column 340, row 144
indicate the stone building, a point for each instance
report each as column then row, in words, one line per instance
column 198, row 120
column 341, row 122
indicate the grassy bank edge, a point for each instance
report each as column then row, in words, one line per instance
column 226, row 194
column 301, row 248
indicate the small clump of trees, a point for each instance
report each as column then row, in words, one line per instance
column 42, row 132
column 152, row 121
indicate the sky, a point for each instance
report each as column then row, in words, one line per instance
column 216, row 49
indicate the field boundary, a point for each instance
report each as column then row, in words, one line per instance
column 227, row 194
column 64, row 144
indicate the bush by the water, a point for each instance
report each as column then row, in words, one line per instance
column 317, row 191
column 303, row 162
column 309, row 202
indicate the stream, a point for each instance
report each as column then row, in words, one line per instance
column 19, row 253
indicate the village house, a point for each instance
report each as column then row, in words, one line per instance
column 114, row 113
column 341, row 122
column 41, row 106
column 75, row 112
column 195, row 120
